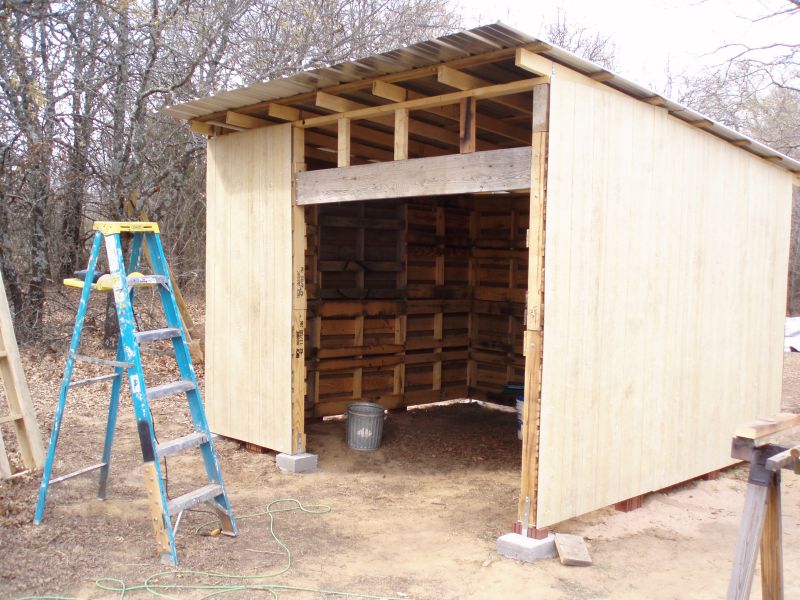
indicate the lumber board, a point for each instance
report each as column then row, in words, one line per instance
column 487, row 171
column 17, row 394
column 767, row 427
column 663, row 235
column 250, row 288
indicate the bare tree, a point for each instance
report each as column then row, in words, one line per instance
column 756, row 90
column 81, row 84
column 580, row 40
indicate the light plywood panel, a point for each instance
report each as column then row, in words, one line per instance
column 249, row 287
column 665, row 288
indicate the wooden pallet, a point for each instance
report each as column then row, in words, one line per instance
column 20, row 410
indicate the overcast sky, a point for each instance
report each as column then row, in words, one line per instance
column 650, row 36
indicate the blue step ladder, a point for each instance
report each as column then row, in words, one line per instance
column 129, row 362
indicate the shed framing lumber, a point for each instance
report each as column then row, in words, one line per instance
column 464, row 81
column 424, row 130
column 408, row 75
column 18, row 396
column 489, row 171
column 396, row 93
column 299, row 296
column 489, row 91
column 534, row 323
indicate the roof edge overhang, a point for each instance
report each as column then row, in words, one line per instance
column 461, row 44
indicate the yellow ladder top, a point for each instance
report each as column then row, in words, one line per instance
column 112, row 227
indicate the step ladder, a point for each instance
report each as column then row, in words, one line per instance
column 129, row 362
column 18, row 398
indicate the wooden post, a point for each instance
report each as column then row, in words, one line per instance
column 401, row 134
column 343, row 143
column 467, row 126
column 299, row 300
column 535, row 307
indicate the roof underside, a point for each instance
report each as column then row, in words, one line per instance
column 487, row 39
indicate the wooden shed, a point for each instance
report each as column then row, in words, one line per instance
column 444, row 219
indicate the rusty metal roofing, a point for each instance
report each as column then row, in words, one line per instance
column 461, row 44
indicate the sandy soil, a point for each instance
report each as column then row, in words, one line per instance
column 416, row 519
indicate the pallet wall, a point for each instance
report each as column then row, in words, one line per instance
column 414, row 301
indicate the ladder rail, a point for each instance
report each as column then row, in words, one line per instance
column 136, row 381
column 65, row 381
column 183, row 356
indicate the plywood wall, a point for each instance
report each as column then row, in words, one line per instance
column 665, row 288
column 249, row 287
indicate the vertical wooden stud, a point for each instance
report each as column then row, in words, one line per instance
column 343, row 143
column 466, row 126
column 401, row 134
column 299, row 300
column 534, row 321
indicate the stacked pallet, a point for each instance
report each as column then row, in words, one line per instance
column 414, row 301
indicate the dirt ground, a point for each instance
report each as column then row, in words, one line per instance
column 416, row 519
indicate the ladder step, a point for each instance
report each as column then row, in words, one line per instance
column 76, row 473
column 167, row 333
column 168, row 389
column 3, row 353
column 101, row 361
column 10, row 418
column 193, row 440
column 90, row 380
column 193, row 498
column 144, row 280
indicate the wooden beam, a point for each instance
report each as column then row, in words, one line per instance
column 395, row 93
column 701, row 123
column 401, row 128
column 389, row 91
column 762, row 428
column 299, row 301
column 245, row 121
column 201, row 128
column 602, row 76
column 741, row 143
column 418, row 73
column 655, row 100
column 534, row 309
column 464, row 81
column 532, row 62
column 466, row 126
column 315, row 139
column 491, row 91
column 283, row 112
column 489, row 171
column 426, row 130
column 343, row 143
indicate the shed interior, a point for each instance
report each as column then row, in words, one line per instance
column 413, row 301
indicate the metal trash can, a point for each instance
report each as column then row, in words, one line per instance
column 364, row 425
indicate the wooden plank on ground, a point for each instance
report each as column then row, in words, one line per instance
column 572, row 550
column 488, row 171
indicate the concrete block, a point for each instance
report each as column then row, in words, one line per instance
column 297, row 463
column 519, row 547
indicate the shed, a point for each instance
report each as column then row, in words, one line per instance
column 444, row 219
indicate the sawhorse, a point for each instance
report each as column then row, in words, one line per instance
column 761, row 518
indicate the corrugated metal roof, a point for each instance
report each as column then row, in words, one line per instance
column 462, row 44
